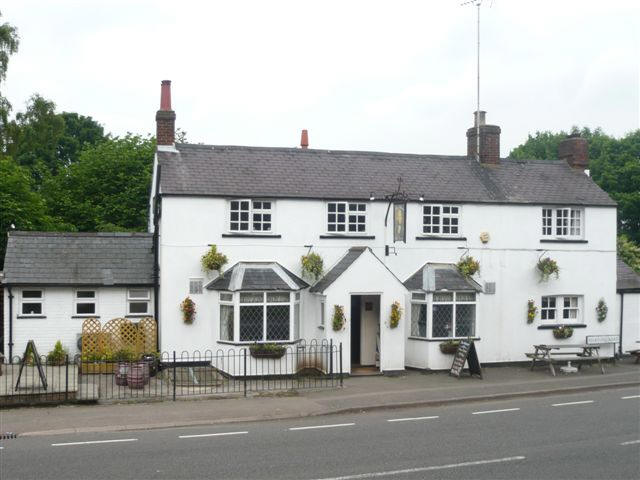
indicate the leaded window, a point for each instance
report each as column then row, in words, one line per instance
column 346, row 217
column 440, row 220
column 264, row 316
column 453, row 314
column 250, row 216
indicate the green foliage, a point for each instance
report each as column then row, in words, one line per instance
column 268, row 349
column 9, row 42
column 449, row 347
column 338, row 321
column 213, row 260
column 396, row 314
column 468, row 266
column 188, row 309
column 613, row 165
column 58, row 355
column 563, row 331
column 629, row 252
column 532, row 310
column 312, row 265
column 602, row 310
column 123, row 355
column 547, row 267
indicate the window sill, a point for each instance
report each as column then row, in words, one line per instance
column 138, row 315
column 343, row 236
column 440, row 340
column 85, row 316
column 556, row 325
column 248, row 344
column 251, row 235
column 562, row 240
column 31, row 316
column 435, row 237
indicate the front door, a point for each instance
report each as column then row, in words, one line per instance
column 369, row 329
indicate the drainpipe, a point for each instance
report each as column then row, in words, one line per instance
column 10, row 323
column 621, row 317
column 156, row 255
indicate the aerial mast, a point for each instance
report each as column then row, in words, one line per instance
column 477, row 3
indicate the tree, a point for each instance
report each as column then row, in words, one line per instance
column 9, row 42
column 629, row 252
column 20, row 206
column 614, row 165
column 79, row 131
column 107, row 188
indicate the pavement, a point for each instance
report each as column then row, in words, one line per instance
column 413, row 389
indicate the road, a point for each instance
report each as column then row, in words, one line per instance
column 588, row 435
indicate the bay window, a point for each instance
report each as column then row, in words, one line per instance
column 418, row 314
column 453, row 315
column 262, row 316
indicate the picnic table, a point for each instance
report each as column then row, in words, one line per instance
column 579, row 351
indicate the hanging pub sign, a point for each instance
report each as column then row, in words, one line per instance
column 466, row 353
column 399, row 222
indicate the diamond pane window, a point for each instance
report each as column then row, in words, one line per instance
column 345, row 217
column 465, row 320
column 442, row 320
column 277, row 322
column 251, row 323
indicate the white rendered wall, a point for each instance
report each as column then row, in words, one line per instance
column 630, row 321
column 189, row 225
column 59, row 324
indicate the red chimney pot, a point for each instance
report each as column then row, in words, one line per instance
column 165, row 95
column 304, row 139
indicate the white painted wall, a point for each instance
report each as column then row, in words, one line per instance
column 369, row 324
column 630, row 320
column 189, row 225
column 59, row 324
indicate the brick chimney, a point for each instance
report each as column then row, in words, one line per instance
column 489, row 140
column 575, row 150
column 304, row 139
column 165, row 117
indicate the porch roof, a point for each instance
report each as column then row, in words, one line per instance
column 628, row 280
column 257, row 276
column 433, row 277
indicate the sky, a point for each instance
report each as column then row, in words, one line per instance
column 395, row 76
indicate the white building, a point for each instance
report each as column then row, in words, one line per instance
column 381, row 241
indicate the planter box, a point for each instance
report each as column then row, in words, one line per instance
column 98, row 368
column 448, row 349
column 268, row 354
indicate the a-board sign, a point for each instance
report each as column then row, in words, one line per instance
column 466, row 353
column 33, row 352
column 597, row 339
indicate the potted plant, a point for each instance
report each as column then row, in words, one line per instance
column 188, row 309
column 396, row 314
column 602, row 310
column 123, row 357
column 338, row 321
column 312, row 265
column 532, row 310
column 213, row 260
column 468, row 266
column 267, row 350
column 58, row 355
column 100, row 362
column 563, row 331
column 547, row 267
column 153, row 359
column 450, row 347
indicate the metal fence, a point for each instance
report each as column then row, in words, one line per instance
column 169, row 375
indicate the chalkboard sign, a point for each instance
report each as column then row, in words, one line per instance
column 466, row 353
column 31, row 348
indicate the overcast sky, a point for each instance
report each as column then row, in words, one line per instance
column 360, row 75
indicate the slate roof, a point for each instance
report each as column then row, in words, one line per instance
column 628, row 280
column 62, row 258
column 257, row 276
column 338, row 269
column 235, row 171
column 435, row 277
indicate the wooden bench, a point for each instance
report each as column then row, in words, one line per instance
column 551, row 354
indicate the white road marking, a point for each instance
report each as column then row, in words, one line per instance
column 630, row 396
column 572, row 403
column 222, row 434
column 424, row 469
column 632, row 442
column 94, row 442
column 323, row 426
column 496, row 411
column 411, row 419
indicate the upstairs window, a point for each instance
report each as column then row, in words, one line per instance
column 250, row 216
column 85, row 302
column 346, row 217
column 32, row 302
column 440, row 220
column 562, row 222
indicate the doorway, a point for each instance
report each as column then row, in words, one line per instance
column 365, row 333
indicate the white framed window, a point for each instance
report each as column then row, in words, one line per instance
column 138, row 300
column 226, row 316
column 32, row 302
column 441, row 220
column 250, row 216
column 561, row 308
column 419, row 314
column 85, row 302
column 453, row 315
column 264, row 316
column 296, row 316
column 562, row 222
column 195, row 286
column 346, row 217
